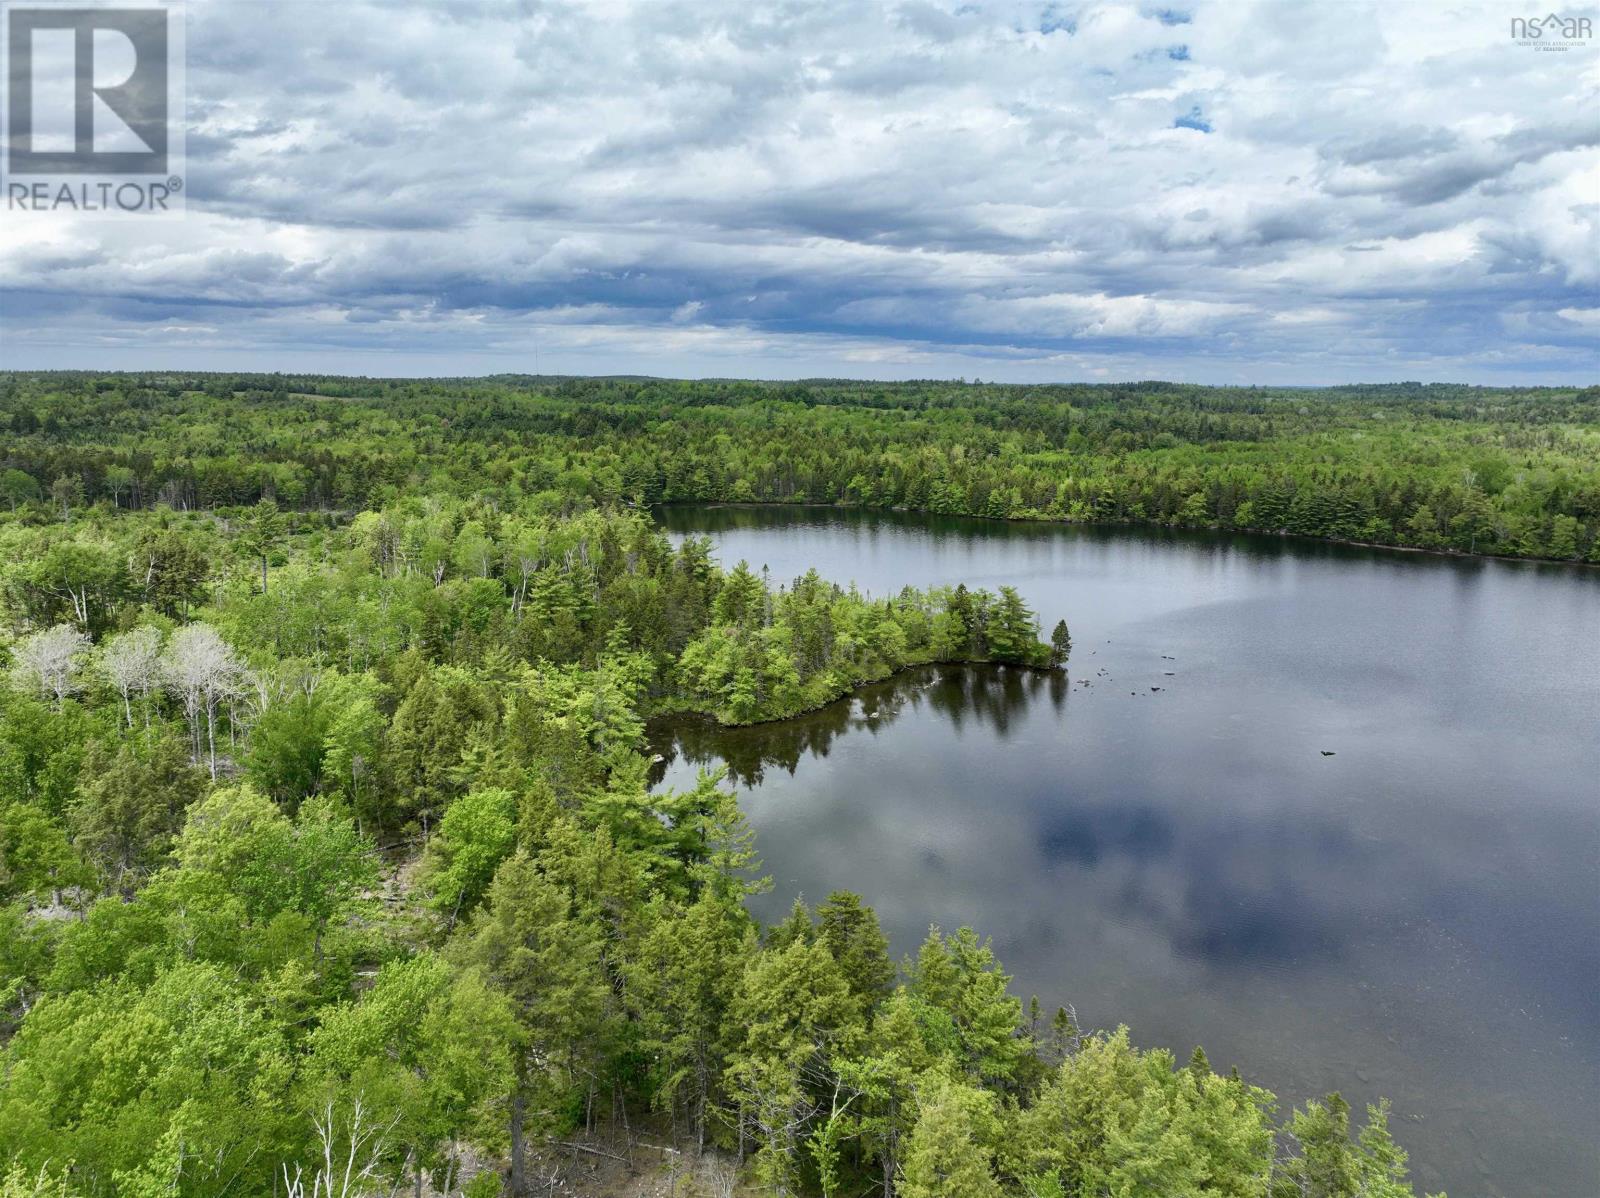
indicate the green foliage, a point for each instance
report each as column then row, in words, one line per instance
column 682, row 981
column 959, row 975
column 177, row 1081
column 1115, row 1120
column 330, row 727
column 131, row 803
column 430, row 731
column 36, row 858
column 770, row 654
column 1474, row 469
column 477, row 833
column 944, row 1156
column 528, row 946
column 320, row 864
column 1330, row 1165
column 1060, row 643
column 429, row 1048
column 289, row 742
column 796, row 1014
column 849, row 929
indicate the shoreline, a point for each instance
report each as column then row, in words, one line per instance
column 850, row 692
column 1282, row 534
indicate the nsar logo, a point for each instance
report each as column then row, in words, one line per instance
column 1552, row 32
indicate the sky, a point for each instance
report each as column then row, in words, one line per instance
column 1208, row 191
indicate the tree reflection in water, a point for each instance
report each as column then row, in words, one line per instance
column 984, row 696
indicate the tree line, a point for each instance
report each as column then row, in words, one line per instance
column 1467, row 469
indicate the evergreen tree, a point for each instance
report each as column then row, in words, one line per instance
column 944, row 1158
column 851, row 932
column 131, row 803
column 796, row 1013
column 1012, row 630
column 528, row 947
column 260, row 533
column 463, row 673
column 1328, row 1165
column 1060, row 643
column 959, row 975
column 681, row 988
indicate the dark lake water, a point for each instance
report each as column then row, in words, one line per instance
column 1416, row 916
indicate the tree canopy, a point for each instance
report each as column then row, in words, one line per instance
column 328, row 853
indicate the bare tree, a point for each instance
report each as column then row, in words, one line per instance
column 529, row 557
column 132, row 664
column 719, row 1175
column 202, row 670
column 351, row 1156
column 52, row 661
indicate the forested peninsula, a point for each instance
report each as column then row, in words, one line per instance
column 328, row 859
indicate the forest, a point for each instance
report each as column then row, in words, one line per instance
column 329, row 859
column 1512, row 472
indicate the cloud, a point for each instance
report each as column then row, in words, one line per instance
column 1025, row 190
column 1434, row 166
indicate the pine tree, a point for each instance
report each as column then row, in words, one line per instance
column 1060, row 644
column 1012, row 629
column 908, row 1040
column 681, row 986
column 1064, row 1035
column 260, row 534
column 794, row 927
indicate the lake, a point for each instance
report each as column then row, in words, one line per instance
column 1352, row 841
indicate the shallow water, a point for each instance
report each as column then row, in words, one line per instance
column 1416, row 915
